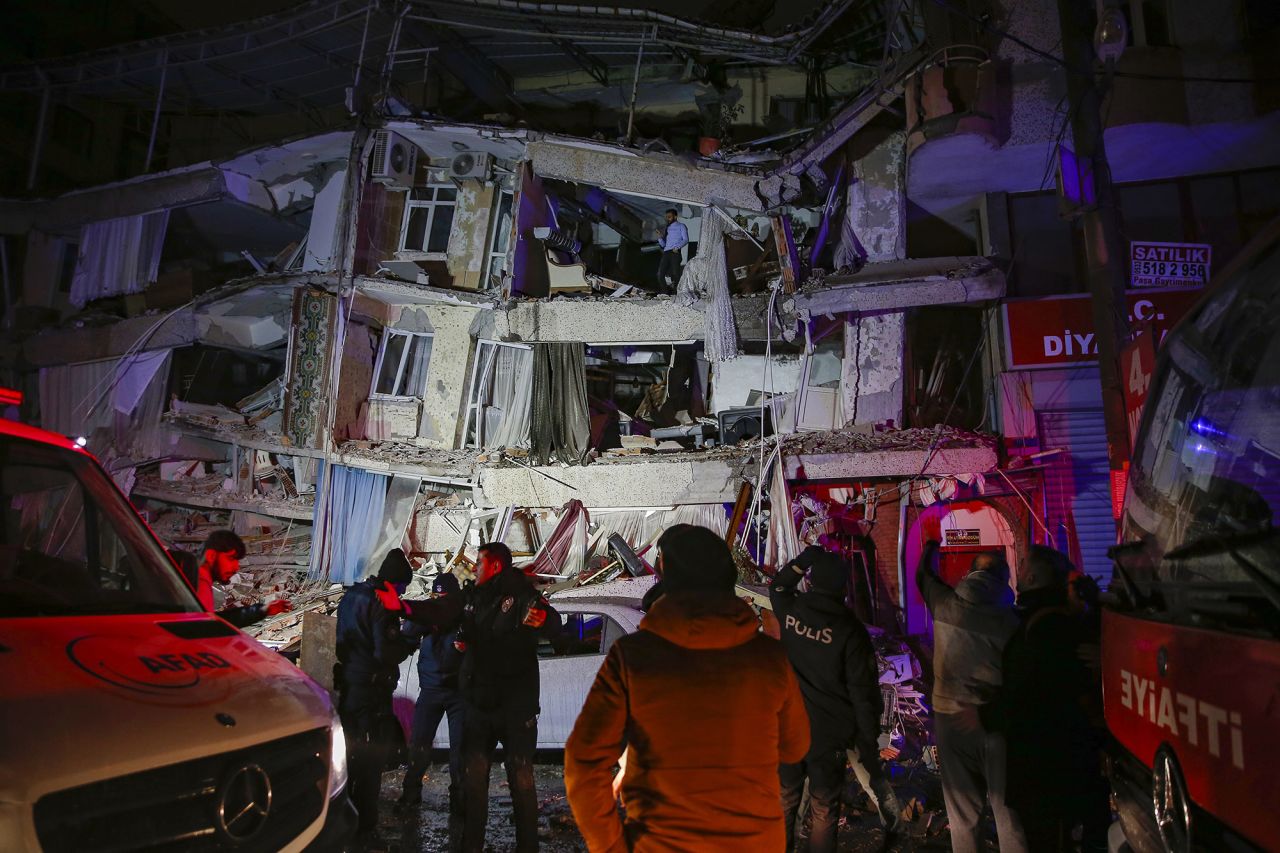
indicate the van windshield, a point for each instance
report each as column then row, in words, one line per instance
column 1206, row 468
column 71, row 545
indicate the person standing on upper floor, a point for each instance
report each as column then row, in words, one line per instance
column 439, row 665
column 674, row 238
column 369, row 649
column 972, row 623
column 708, row 708
column 835, row 664
column 1055, row 774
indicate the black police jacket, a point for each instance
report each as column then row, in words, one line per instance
column 835, row 663
column 500, row 664
column 439, row 660
column 369, row 642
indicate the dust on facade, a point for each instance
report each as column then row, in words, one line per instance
column 432, row 334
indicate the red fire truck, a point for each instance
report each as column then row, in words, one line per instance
column 1191, row 645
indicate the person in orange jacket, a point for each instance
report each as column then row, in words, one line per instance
column 708, row 706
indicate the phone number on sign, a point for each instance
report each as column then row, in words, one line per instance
column 1170, row 269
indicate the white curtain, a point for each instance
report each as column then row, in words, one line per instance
column 706, row 280
column 710, row 516
column 629, row 524
column 118, row 256
column 402, row 496
column 414, row 382
column 119, row 399
column 506, row 419
column 784, row 544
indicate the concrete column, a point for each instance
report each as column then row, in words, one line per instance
column 871, row 386
column 877, row 199
column 323, row 238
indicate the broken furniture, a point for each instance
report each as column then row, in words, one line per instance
column 703, row 435
column 740, row 424
column 571, row 277
column 566, row 278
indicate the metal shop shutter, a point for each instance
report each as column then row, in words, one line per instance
column 1077, row 484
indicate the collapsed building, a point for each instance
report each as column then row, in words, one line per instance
column 455, row 333
column 431, row 333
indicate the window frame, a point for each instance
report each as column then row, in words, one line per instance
column 411, row 204
column 496, row 256
column 610, row 631
column 474, row 391
column 387, row 335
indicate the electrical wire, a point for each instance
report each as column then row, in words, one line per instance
column 986, row 25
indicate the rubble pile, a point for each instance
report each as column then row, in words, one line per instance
column 284, row 632
column 867, row 441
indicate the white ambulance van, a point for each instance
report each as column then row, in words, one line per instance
column 130, row 718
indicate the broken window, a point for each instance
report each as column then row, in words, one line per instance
column 499, row 398
column 819, row 401
column 581, row 634
column 401, row 368
column 428, row 219
column 637, row 389
column 500, row 240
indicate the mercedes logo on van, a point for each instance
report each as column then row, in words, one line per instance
column 244, row 802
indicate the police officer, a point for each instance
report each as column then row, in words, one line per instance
column 370, row 648
column 439, row 662
column 502, row 621
column 503, row 617
column 835, row 664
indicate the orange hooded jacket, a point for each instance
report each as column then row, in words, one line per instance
column 708, row 708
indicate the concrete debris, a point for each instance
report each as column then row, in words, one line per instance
column 858, row 441
column 284, row 632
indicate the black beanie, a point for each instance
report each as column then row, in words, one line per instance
column 827, row 574
column 395, row 567
column 445, row 583
column 695, row 558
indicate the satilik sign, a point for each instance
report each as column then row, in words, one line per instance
column 1169, row 264
column 1058, row 331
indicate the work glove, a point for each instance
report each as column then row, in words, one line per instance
column 389, row 597
column 275, row 608
column 536, row 616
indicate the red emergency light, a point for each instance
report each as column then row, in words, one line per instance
column 10, row 397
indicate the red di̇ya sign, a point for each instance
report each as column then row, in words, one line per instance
column 1058, row 331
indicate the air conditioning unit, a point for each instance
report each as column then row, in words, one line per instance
column 394, row 159
column 470, row 165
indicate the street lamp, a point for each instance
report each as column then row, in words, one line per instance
column 1111, row 35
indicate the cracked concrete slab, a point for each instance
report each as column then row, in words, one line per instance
column 655, row 482
column 661, row 176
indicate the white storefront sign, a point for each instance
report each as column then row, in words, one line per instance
column 1169, row 264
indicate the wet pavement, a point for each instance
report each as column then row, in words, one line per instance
column 426, row 827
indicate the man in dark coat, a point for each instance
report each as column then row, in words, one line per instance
column 503, row 617
column 835, row 664
column 439, row 664
column 1054, row 769
column 972, row 623
column 370, row 648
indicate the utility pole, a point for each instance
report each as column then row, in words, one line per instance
column 1105, row 254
